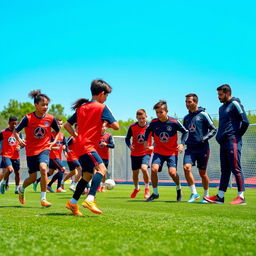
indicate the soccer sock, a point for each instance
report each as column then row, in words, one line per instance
column 206, row 192
column 60, row 177
column 55, row 177
column 146, row 185
column 193, row 189
column 90, row 198
column 80, row 189
column 137, row 187
column 96, row 180
column 43, row 196
column 73, row 201
column 22, row 189
column 241, row 194
column 178, row 187
column 155, row 191
column 17, row 187
column 221, row 193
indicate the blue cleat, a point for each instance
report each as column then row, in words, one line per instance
column 202, row 201
column 35, row 186
column 193, row 198
column 2, row 188
column 50, row 189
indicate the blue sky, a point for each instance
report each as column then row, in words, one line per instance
column 147, row 50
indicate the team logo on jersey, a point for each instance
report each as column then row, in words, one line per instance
column 141, row 138
column 198, row 118
column 46, row 124
column 39, row 132
column 192, row 127
column 12, row 141
column 59, row 143
column 164, row 137
column 169, row 128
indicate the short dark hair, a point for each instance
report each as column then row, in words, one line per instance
column 225, row 88
column 140, row 112
column 194, row 96
column 13, row 118
column 38, row 96
column 98, row 86
column 161, row 104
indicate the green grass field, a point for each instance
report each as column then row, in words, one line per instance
column 127, row 227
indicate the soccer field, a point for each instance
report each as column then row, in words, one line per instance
column 127, row 227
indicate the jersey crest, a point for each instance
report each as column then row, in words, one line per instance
column 39, row 132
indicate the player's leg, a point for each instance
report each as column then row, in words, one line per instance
column 8, row 169
column 102, row 186
column 136, row 164
column 16, row 167
column 144, row 169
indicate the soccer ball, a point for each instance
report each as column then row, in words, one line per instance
column 110, row 184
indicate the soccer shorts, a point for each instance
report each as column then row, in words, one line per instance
column 89, row 161
column 73, row 165
column 33, row 162
column 137, row 161
column 56, row 164
column 160, row 159
column 6, row 161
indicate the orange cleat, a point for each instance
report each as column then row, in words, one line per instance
column 73, row 208
column 238, row 200
column 147, row 193
column 45, row 203
column 135, row 192
column 21, row 196
column 102, row 189
column 60, row 190
column 91, row 205
column 98, row 189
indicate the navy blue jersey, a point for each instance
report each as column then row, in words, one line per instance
column 233, row 121
column 200, row 126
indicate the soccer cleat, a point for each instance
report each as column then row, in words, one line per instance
column 60, row 190
column 193, row 198
column 98, row 189
column 91, row 205
column 2, row 188
column 35, row 186
column 72, row 188
column 134, row 193
column 152, row 197
column 202, row 201
column 50, row 189
column 146, row 194
column 214, row 199
column 103, row 189
column 45, row 203
column 179, row 195
column 16, row 192
column 73, row 208
column 21, row 196
column 238, row 200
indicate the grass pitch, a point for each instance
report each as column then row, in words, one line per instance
column 127, row 226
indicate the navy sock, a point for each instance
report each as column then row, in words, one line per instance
column 55, row 177
column 80, row 188
column 96, row 180
column 60, row 177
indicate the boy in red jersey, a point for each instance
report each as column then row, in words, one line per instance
column 90, row 116
column 10, row 154
column 164, row 130
column 38, row 127
column 140, row 156
column 106, row 142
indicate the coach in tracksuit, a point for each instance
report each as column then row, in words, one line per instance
column 233, row 123
column 201, row 129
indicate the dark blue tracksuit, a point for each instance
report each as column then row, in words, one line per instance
column 233, row 123
column 201, row 129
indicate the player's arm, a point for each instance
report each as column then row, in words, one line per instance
column 56, row 128
column 239, row 109
column 23, row 123
column 111, row 143
column 1, row 136
column 183, row 138
column 69, row 125
column 212, row 130
column 148, row 133
column 109, row 118
column 128, row 139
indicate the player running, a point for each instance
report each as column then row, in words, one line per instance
column 10, row 155
column 164, row 130
column 233, row 123
column 90, row 116
column 201, row 129
column 37, row 127
column 140, row 156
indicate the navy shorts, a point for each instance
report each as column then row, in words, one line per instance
column 137, row 161
column 160, row 159
column 192, row 156
column 33, row 162
column 6, row 161
column 89, row 161
column 56, row 164
column 106, row 162
column 73, row 165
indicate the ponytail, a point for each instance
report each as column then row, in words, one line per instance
column 38, row 96
column 79, row 103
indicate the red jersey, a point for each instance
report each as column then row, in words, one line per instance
column 10, row 144
column 72, row 149
column 165, row 135
column 89, row 118
column 38, row 132
column 104, row 151
column 138, row 138
column 57, row 153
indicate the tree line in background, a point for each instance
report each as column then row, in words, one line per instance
column 20, row 109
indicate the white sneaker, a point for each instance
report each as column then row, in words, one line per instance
column 72, row 188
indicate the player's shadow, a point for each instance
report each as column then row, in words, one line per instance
column 16, row 206
column 172, row 202
column 137, row 201
column 118, row 197
column 67, row 214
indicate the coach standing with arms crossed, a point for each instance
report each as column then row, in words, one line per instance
column 233, row 123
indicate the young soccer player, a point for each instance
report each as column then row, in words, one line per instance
column 106, row 142
column 10, row 154
column 164, row 130
column 140, row 156
column 37, row 127
column 201, row 129
column 90, row 116
column 233, row 123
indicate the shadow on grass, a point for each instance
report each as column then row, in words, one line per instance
column 68, row 215
column 16, row 206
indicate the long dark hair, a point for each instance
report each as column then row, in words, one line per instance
column 38, row 96
column 78, row 103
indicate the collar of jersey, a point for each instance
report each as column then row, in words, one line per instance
column 38, row 116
